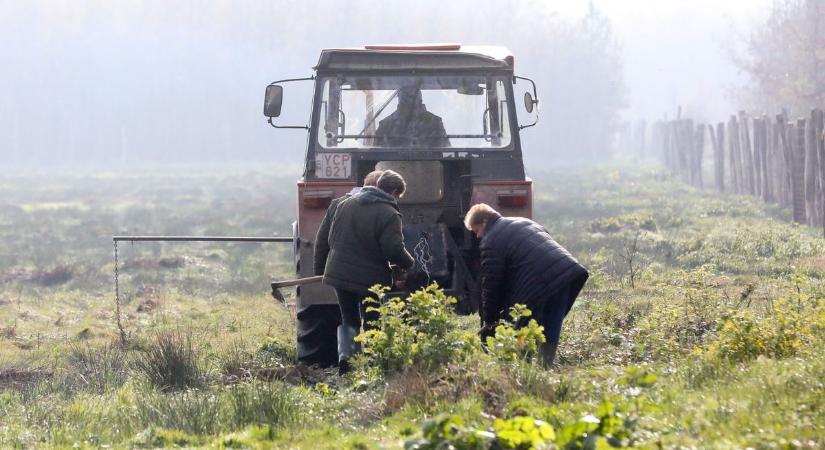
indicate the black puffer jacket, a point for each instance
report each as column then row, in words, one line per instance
column 521, row 263
column 365, row 236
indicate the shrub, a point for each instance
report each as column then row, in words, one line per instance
column 421, row 332
column 636, row 221
column 743, row 337
column 510, row 343
column 611, row 427
column 171, row 362
column 449, row 432
column 522, row 432
column 793, row 323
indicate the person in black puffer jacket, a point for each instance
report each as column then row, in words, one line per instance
column 521, row 263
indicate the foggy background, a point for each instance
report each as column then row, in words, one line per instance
column 130, row 83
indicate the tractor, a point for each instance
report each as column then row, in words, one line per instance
column 469, row 152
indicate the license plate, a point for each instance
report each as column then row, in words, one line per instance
column 333, row 165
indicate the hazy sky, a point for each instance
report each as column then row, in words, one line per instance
column 674, row 50
column 100, row 80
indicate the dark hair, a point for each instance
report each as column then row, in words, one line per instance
column 391, row 182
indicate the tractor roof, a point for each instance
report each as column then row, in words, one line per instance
column 415, row 57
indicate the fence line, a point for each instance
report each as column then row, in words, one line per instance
column 771, row 158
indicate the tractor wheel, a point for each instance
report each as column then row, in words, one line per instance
column 317, row 338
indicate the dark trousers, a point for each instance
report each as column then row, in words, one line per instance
column 354, row 309
column 551, row 313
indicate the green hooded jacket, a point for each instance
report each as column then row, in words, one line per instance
column 364, row 238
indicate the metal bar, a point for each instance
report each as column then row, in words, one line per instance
column 457, row 136
column 201, row 239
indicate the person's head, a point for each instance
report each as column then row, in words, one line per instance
column 392, row 183
column 477, row 218
column 372, row 178
column 409, row 98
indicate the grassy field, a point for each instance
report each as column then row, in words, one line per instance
column 701, row 327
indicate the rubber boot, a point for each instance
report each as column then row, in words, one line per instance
column 347, row 347
column 547, row 351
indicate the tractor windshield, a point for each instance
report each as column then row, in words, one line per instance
column 414, row 111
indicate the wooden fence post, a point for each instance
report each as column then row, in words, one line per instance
column 665, row 136
column 785, row 143
column 717, row 140
column 819, row 141
column 698, row 152
column 640, row 137
column 757, row 158
column 764, row 187
column 689, row 149
column 811, row 173
column 762, row 134
column 776, row 162
column 796, row 136
column 733, row 146
column 675, row 147
column 656, row 142
column 747, row 156
column 681, row 150
column 672, row 150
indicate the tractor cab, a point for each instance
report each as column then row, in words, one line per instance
column 445, row 118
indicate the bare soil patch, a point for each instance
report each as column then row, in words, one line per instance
column 15, row 378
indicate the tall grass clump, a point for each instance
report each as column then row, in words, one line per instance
column 98, row 368
column 261, row 403
column 171, row 362
column 236, row 360
column 191, row 411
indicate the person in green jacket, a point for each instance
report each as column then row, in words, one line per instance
column 364, row 239
column 321, row 248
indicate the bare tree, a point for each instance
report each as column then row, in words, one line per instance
column 630, row 255
column 785, row 57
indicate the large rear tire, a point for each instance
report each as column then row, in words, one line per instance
column 317, row 338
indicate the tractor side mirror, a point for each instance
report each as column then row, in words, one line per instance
column 273, row 99
column 529, row 102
